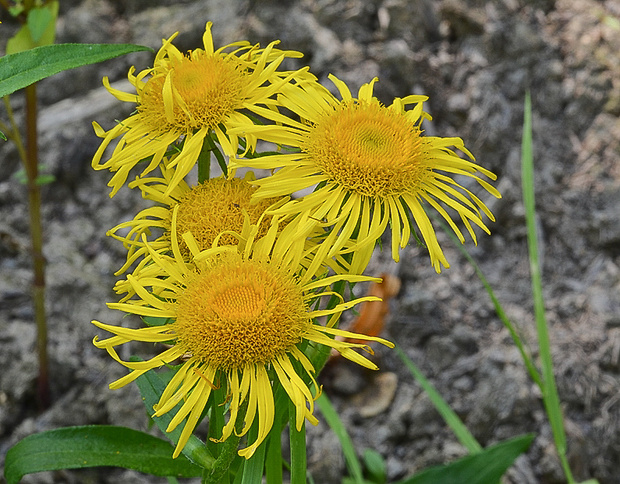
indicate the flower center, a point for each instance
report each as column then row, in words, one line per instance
column 237, row 312
column 367, row 148
column 203, row 90
column 215, row 206
column 240, row 302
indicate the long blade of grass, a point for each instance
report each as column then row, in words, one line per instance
column 549, row 389
column 499, row 310
column 454, row 422
column 333, row 420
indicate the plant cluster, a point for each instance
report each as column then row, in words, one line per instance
column 240, row 279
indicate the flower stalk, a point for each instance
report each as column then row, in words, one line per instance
column 30, row 161
column 204, row 161
column 228, row 452
column 29, row 157
column 36, row 236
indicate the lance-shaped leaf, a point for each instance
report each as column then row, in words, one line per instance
column 25, row 68
column 94, row 446
column 151, row 387
column 485, row 467
column 39, row 29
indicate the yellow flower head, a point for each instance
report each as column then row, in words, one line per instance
column 372, row 165
column 215, row 209
column 239, row 317
column 189, row 98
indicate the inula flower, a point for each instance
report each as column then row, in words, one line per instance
column 218, row 207
column 190, row 98
column 239, row 317
column 372, row 166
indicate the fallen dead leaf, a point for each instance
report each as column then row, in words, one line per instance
column 373, row 313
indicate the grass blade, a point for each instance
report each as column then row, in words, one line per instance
column 499, row 310
column 454, row 422
column 549, row 389
column 333, row 420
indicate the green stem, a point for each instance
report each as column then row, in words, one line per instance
column 298, row 448
column 218, row 155
column 12, row 132
column 29, row 158
column 204, row 162
column 228, row 451
column 273, row 460
column 216, row 416
column 36, row 234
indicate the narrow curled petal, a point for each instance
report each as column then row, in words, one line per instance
column 173, row 109
column 372, row 166
column 213, row 310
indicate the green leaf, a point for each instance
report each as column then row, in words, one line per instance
column 151, row 387
column 25, row 68
column 21, row 41
column 94, row 446
column 40, row 29
column 16, row 9
column 333, row 420
column 45, row 179
column 42, row 20
column 375, row 465
column 154, row 321
column 486, row 467
column 499, row 310
column 42, row 179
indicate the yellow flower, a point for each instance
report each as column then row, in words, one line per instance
column 239, row 317
column 372, row 165
column 189, row 98
column 215, row 208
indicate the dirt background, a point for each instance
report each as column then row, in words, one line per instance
column 475, row 59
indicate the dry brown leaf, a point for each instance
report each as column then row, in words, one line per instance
column 373, row 313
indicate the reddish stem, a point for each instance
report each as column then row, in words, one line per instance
column 36, row 235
